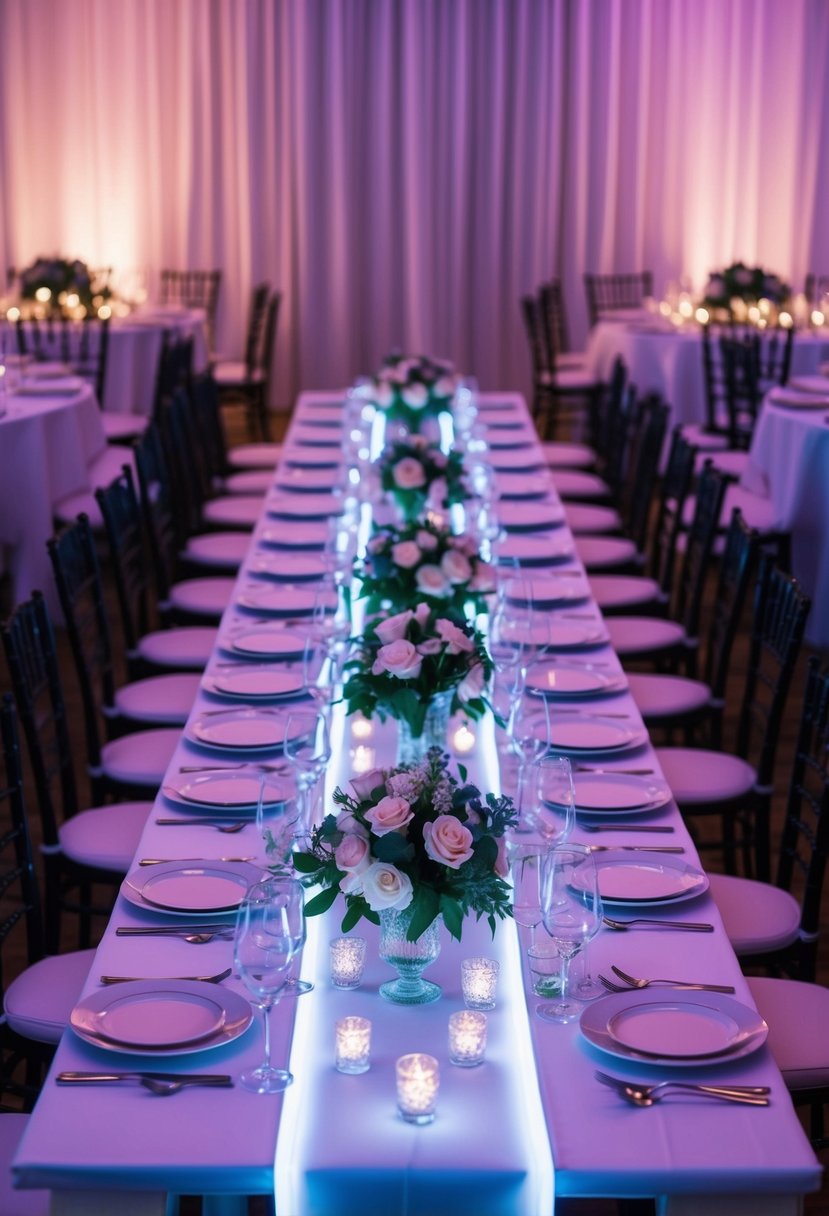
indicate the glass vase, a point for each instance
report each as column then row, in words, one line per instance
column 408, row 958
column 412, row 748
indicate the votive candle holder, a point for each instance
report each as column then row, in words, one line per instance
column 353, row 1044
column 418, row 1082
column 347, row 958
column 467, row 1038
column 479, row 979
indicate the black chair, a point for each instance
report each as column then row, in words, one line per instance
column 194, row 289
column 609, row 293
column 82, row 345
column 815, row 288
column 560, row 394
column 247, row 382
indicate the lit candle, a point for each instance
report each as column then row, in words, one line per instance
column 347, row 957
column 418, row 1081
column 467, row 1038
column 479, row 978
column 353, row 1039
column 362, row 728
column 43, row 295
column 363, row 759
column 703, row 316
column 463, row 740
column 817, row 317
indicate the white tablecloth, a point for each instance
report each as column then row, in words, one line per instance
column 340, row 1148
column 789, row 463
column 135, row 349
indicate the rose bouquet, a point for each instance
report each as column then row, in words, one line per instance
column 412, row 838
column 424, row 561
column 409, row 388
column 407, row 660
column 418, row 475
column 741, row 282
column 69, row 284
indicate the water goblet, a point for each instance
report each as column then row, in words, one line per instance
column 308, row 749
column 553, row 811
column 530, row 734
column 270, row 930
column 525, row 867
column 571, row 908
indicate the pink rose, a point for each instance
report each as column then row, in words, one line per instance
column 399, row 659
column 448, row 841
column 431, row 580
column 438, row 492
column 422, row 613
column 483, row 579
column 473, row 683
column 444, row 387
column 408, row 474
column 456, row 566
column 456, row 640
column 406, row 554
column 352, row 854
column 384, row 886
column 376, row 545
column 394, row 627
column 383, row 396
column 430, row 646
column 501, row 866
column 426, row 540
column 389, row 815
column 362, row 784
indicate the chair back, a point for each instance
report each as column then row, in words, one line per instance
column 740, row 364
column 194, row 289
column 82, row 345
column 607, row 293
column 674, row 489
column 696, row 561
column 540, row 358
column 255, row 327
column 125, row 538
column 554, row 317
column 814, row 289
column 642, row 469
column 175, row 369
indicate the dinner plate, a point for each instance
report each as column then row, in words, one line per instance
column 549, row 592
column 798, row 399
column 311, row 458
column 497, row 407
column 304, row 506
column 282, row 600
column 512, row 440
column 254, row 683
column 148, row 1016
column 232, row 790
column 239, row 729
column 518, row 460
column 543, row 550
column 529, row 516
column 681, row 1029
column 811, row 384
column 307, row 480
column 579, row 732
column 191, row 888
column 48, row 370
column 266, row 644
column 64, row 386
column 572, row 635
column 522, row 485
column 504, row 420
column 305, row 436
column 563, row 680
column 299, row 536
column 638, row 880
column 618, row 793
column 287, row 567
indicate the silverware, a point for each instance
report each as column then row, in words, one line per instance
column 195, row 979
column 640, row 983
column 163, row 861
column 636, row 848
column 681, row 926
column 612, row 827
column 588, row 713
column 628, row 772
column 194, row 936
column 645, row 1095
column 161, row 1083
column 225, row 768
column 676, row 985
column 230, row 828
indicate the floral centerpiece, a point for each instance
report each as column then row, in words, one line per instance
column 424, row 560
column 747, row 283
column 417, row 475
column 410, row 388
column 408, row 662
column 413, row 839
column 68, row 284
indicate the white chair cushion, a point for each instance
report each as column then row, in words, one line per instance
column 254, row 481
column 635, row 634
column 142, row 758
column 123, row 426
column 240, row 511
column 575, row 483
column 202, row 596
column 255, row 455
column 574, row 359
column 605, row 552
column 797, row 1014
column 731, row 462
column 623, row 591
column 574, row 380
column 758, row 512
column 758, row 916
column 226, row 550
column 165, row 700
column 103, row 470
column 186, row 649
column 568, row 455
column 695, row 434
column 659, row 696
column 698, row 776
column 584, row 517
column 38, row 1002
column 12, row 1202
column 105, row 836
column 228, row 373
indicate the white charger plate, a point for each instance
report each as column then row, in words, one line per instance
column 549, row 592
column 518, row 460
column 298, row 536
column 149, row 1016
column 683, row 1030
column 577, row 733
column 499, row 440
column 562, row 635
column 282, row 601
column 255, row 683
column 240, row 729
column 561, row 681
column 227, row 790
column 189, row 888
column 798, row 399
column 811, row 384
column 287, row 567
column 638, row 880
column 529, row 550
column 266, row 644
column 530, row 516
column 306, row 480
column 312, row 458
column 522, row 485
column 304, row 506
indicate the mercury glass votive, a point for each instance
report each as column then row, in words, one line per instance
column 353, row 1044
column 467, row 1038
column 418, row 1081
column 347, row 957
column 479, row 979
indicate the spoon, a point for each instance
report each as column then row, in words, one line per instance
column 229, row 828
column 196, row 979
column 646, row 1095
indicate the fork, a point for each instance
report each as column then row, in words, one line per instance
column 157, row 1083
column 645, row 1095
column 230, row 828
column 636, row 848
column 682, row 926
column 196, row 979
column 677, row 985
column 636, row 982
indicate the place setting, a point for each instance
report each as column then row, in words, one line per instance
column 304, row 506
column 530, row 516
column 288, row 567
column 283, row 600
column 311, row 536
column 244, row 682
column 243, row 729
column 227, row 791
column 564, row 681
column 274, row 644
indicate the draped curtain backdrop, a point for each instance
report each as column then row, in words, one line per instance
column 404, row 170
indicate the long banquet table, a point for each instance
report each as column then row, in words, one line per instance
column 531, row 1123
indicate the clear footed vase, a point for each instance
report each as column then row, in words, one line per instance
column 408, row 958
column 412, row 748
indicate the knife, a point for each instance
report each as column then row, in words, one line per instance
column 223, row 1080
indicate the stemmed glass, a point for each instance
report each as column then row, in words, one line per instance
column 554, row 805
column 530, row 734
column 270, row 930
column 525, row 864
column 308, row 748
column 571, row 907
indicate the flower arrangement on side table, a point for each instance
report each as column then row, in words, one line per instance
column 68, row 284
column 409, row 388
column 417, row 475
column 746, row 283
column 424, row 560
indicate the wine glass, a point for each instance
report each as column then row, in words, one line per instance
column 530, row 734
column 308, row 749
column 270, row 929
column 553, row 811
column 571, row 909
column 525, row 865
column 277, row 810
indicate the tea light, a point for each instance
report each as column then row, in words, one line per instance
column 353, row 1040
column 467, row 1038
column 347, row 956
column 418, row 1081
column 479, row 978
column 545, row 968
column 463, row 740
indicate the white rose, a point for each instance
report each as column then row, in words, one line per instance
column 432, row 581
column 394, row 627
column 399, row 659
column 415, row 396
column 456, row 566
column 473, row 683
column 406, row 554
column 384, row 886
column 408, row 474
column 383, row 396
